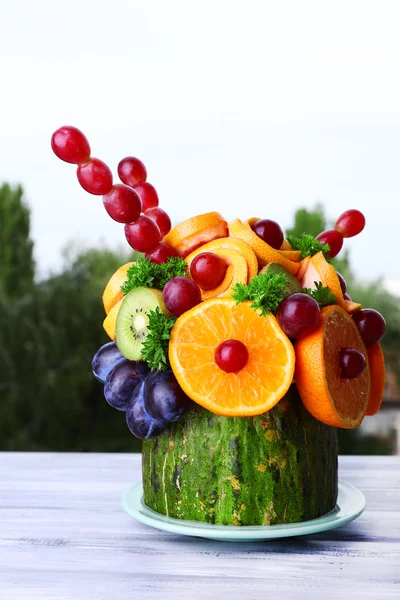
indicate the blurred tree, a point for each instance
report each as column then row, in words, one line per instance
column 17, row 267
column 308, row 221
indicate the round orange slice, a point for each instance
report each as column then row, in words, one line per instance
column 326, row 395
column 257, row 387
column 377, row 367
column 318, row 269
column 112, row 292
column 264, row 252
column 196, row 231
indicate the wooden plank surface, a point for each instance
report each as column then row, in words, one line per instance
column 64, row 536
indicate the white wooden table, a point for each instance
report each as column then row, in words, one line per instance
column 64, row 535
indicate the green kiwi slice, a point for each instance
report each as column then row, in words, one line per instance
column 132, row 320
column 293, row 286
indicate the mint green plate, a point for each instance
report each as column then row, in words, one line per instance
column 350, row 505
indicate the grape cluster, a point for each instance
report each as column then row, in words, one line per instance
column 151, row 399
column 133, row 203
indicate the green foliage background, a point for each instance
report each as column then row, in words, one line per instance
column 50, row 330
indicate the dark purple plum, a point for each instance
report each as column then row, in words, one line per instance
column 164, row 399
column 140, row 423
column 105, row 359
column 122, row 380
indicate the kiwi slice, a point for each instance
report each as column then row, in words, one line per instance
column 293, row 286
column 132, row 320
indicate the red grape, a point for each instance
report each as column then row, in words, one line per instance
column 143, row 235
column 269, row 231
column 334, row 239
column 181, row 294
column 70, row 145
column 148, row 195
column 371, row 325
column 350, row 223
column 208, row 270
column 298, row 315
column 346, row 296
column 161, row 253
column 342, row 282
column 131, row 171
column 122, row 203
column 95, row 177
column 231, row 356
column 161, row 218
column 352, row 363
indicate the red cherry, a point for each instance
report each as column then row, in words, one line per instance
column 342, row 282
column 231, row 356
column 298, row 315
column 131, row 171
column 161, row 253
column 269, row 231
column 350, row 223
column 148, row 195
column 371, row 325
column 208, row 270
column 95, row 177
column 352, row 363
column 122, row 203
column 161, row 218
column 70, row 145
column 143, row 235
column 181, row 294
column 334, row 239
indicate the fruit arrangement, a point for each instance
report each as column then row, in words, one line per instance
column 230, row 332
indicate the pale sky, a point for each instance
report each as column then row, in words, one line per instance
column 251, row 108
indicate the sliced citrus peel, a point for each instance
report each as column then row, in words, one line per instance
column 110, row 321
column 377, row 367
column 254, row 389
column 326, row 395
column 264, row 252
column 112, row 292
column 318, row 269
column 196, row 231
column 286, row 249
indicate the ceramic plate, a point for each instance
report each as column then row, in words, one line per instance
column 350, row 504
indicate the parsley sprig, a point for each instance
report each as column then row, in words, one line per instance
column 321, row 294
column 266, row 291
column 307, row 244
column 148, row 274
column 155, row 346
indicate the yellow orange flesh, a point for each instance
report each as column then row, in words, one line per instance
column 112, row 292
column 253, row 390
column 110, row 321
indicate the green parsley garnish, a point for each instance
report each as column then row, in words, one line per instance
column 155, row 346
column 321, row 294
column 148, row 274
column 307, row 244
column 266, row 291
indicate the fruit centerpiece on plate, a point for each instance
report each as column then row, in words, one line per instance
column 235, row 354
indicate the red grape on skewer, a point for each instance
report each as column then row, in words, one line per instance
column 70, row 145
column 161, row 218
column 148, row 195
column 131, row 171
column 143, row 235
column 350, row 223
column 161, row 253
column 122, row 203
column 95, row 177
column 334, row 239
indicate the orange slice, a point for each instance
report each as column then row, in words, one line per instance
column 229, row 243
column 318, row 269
column 377, row 368
column 198, row 230
column 251, row 391
column 291, row 254
column 329, row 398
column 110, row 321
column 286, row 245
column 112, row 292
column 237, row 271
column 265, row 253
